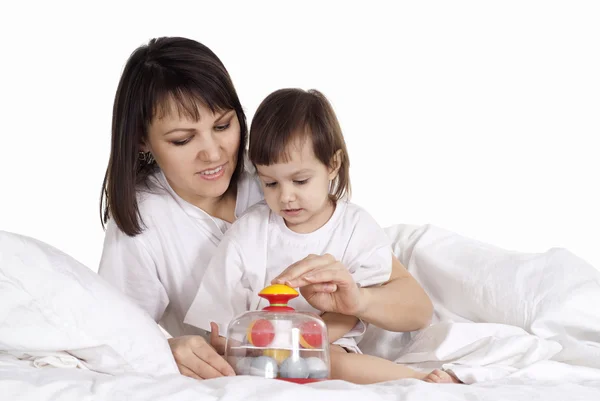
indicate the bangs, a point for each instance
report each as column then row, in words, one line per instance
column 170, row 95
column 277, row 148
column 279, row 130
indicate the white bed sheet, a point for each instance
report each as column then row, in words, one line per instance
column 20, row 381
column 515, row 326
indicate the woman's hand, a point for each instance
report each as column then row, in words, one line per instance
column 216, row 341
column 195, row 358
column 325, row 283
column 399, row 305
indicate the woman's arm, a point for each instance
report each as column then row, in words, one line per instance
column 400, row 304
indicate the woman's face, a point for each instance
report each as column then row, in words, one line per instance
column 198, row 158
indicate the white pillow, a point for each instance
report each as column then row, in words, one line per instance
column 50, row 302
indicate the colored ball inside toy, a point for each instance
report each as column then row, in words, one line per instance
column 242, row 367
column 311, row 335
column 317, row 368
column 264, row 366
column 294, row 368
column 278, row 354
column 260, row 333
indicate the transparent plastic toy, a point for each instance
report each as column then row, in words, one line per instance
column 277, row 342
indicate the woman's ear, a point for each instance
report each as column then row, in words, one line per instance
column 144, row 146
column 335, row 164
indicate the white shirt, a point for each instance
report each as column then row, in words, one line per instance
column 259, row 246
column 161, row 268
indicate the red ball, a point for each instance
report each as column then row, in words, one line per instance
column 311, row 335
column 260, row 333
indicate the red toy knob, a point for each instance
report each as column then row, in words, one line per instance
column 278, row 296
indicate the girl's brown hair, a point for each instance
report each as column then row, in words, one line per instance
column 286, row 114
column 156, row 74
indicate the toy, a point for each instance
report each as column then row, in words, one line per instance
column 264, row 366
column 279, row 355
column 277, row 342
column 295, row 368
column 310, row 335
column 243, row 365
column 317, row 368
column 260, row 333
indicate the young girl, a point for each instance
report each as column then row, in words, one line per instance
column 297, row 147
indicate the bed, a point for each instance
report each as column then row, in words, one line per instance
column 514, row 326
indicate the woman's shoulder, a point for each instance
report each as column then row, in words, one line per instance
column 249, row 190
column 358, row 215
column 249, row 230
column 153, row 196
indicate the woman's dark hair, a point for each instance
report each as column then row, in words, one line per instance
column 168, row 69
column 289, row 114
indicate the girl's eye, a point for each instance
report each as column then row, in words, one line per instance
column 222, row 127
column 301, row 182
column 270, row 184
column 182, row 142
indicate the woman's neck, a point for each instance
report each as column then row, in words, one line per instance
column 222, row 207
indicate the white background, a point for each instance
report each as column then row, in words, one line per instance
column 479, row 117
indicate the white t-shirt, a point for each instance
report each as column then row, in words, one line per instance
column 259, row 246
column 161, row 268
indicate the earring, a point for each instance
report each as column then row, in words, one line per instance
column 146, row 157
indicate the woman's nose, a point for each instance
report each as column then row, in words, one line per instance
column 210, row 150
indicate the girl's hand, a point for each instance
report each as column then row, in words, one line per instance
column 325, row 283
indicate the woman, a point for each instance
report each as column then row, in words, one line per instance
column 177, row 179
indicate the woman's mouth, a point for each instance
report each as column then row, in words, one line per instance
column 213, row 174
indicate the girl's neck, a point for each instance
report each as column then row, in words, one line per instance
column 316, row 221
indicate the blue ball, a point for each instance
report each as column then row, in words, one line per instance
column 317, row 368
column 242, row 367
column 264, row 366
column 294, row 368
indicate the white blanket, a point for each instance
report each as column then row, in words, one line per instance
column 516, row 325
column 496, row 312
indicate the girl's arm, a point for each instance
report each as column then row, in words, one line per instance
column 338, row 325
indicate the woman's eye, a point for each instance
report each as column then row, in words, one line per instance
column 222, row 127
column 270, row 184
column 182, row 142
column 301, row 182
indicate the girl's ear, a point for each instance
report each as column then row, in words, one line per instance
column 334, row 164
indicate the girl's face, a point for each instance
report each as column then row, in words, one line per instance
column 198, row 158
column 298, row 190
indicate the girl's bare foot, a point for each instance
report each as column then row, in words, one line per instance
column 440, row 376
